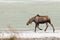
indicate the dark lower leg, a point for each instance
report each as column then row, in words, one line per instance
column 39, row 28
column 37, row 25
column 46, row 27
column 35, row 29
column 53, row 27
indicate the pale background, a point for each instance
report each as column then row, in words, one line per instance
column 17, row 12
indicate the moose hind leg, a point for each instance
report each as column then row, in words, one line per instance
column 46, row 26
column 52, row 26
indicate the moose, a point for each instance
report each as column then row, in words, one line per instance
column 38, row 19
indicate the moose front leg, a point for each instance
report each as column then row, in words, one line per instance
column 38, row 27
column 35, row 27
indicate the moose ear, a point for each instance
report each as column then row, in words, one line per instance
column 38, row 15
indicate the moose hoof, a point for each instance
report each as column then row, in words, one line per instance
column 45, row 30
column 53, row 31
column 35, row 31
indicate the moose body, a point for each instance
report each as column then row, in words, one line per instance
column 40, row 20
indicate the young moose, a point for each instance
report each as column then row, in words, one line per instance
column 40, row 20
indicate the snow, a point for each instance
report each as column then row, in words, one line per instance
column 30, row 34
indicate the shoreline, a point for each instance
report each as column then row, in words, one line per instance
column 30, row 34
